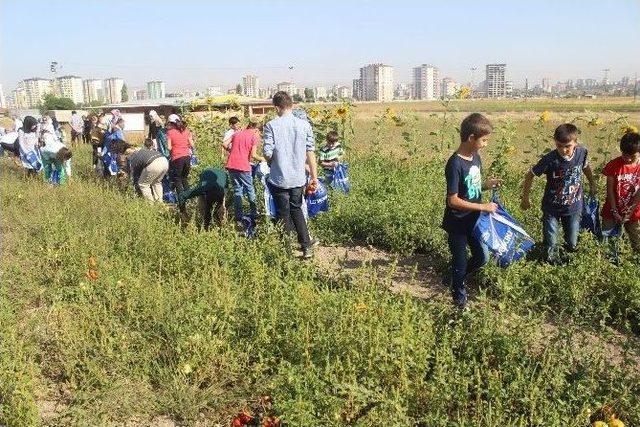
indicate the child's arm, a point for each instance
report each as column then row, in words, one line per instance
column 255, row 156
column 634, row 205
column 455, row 202
column 593, row 190
column 491, row 183
column 525, row 203
column 611, row 198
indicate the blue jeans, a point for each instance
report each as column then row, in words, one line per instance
column 460, row 267
column 570, row 228
column 242, row 183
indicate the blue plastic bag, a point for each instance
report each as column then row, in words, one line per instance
column 269, row 203
column 339, row 179
column 590, row 220
column 194, row 159
column 54, row 178
column 249, row 226
column 168, row 195
column 503, row 235
column 32, row 158
column 318, row 201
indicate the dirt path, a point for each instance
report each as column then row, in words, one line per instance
column 416, row 276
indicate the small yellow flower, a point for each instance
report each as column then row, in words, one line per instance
column 186, row 369
column 600, row 424
column 615, row 422
column 596, row 121
column 361, row 306
column 628, row 129
column 389, row 113
column 342, row 111
column 544, row 117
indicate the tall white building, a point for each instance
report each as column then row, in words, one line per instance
column 320, row 92
column 139, row 94
column 426, row 84
column 343, row 92
column 113, row 90
column 35, row 89
column 546, row 85
column 156, row 89
column 71, row 87
column 3, row 101
column 250, row 86
column 19, row 96
column 288, row 87
column 448, row 87
column 375, row 83
column 214, row 91
column 495, row 82
column 93, row 91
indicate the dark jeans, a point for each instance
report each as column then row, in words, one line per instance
column 289, row 205
column 208, row 201
column 242, row 183
column 460, row 267
column 179, row 175
column 570, row 228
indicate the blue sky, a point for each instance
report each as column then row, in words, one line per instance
column 193, row 44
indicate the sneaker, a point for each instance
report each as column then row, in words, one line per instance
column 314, row 242
column 307, row 253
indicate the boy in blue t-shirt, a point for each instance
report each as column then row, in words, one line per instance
column 464, row 203
column 562, row 200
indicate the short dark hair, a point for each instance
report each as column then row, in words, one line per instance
column 148, row 143
column 281, row 99
column 332, row 136
column 253, row 124
column 73, row 112
column 475, row 124
column 119, row 146
column 64, row 154
column 566, row 133
column 630, row 143
column 234, row 120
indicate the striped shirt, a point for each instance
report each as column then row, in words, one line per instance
column 331, row 154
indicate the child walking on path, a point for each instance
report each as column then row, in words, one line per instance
column 464, row 203
column 562, row 200
column 622, row 207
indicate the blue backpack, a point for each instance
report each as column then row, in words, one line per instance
column 318, row 201
column 194, row 160
column 108, row 158
column 502, row 234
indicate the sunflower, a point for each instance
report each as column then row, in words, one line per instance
column 342, row 112
column 596, row 121
column 544, row 117
column 628, row 129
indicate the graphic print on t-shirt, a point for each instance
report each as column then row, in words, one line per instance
column 628, row 186
column 473, row 181
column 567, row 183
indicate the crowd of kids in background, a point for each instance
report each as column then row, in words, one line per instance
column 288, row 161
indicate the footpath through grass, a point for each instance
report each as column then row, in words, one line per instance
column 198, row 326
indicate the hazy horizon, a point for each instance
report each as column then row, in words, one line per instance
column 193, row 44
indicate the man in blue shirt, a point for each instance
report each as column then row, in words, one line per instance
column 288, row 146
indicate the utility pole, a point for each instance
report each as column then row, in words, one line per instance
column 473, row 75
column 635, row 88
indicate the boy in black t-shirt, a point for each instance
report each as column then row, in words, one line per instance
column 464, row 203
column 562, row 200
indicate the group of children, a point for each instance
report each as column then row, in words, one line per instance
column 562, row 202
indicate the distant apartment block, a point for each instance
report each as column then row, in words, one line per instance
column 93, row 91
column 113, row 90
column 250, row 86
column 343, row 92
column 546, row 85
column 288, row 87
column 214, row 91
column 495, row 86
column 402, row 91
column 35, row 89
column 448, row 88
column 19, row 96
column 320, row 92
column 375, row 83
column 3, row 101
column 139, row 95
column 426, row 84
column 71, row 87
column 156, row 89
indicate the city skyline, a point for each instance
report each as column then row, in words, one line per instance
column 533, row 38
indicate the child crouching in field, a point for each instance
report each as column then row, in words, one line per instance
column 464, row 203
column 623, row 190
column 56, row 157
column 562, row 200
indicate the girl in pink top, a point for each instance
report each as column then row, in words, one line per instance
column 179, row 142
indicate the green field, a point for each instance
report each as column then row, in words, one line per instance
column 187, row 327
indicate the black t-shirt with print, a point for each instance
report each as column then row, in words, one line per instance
column 464, row 178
